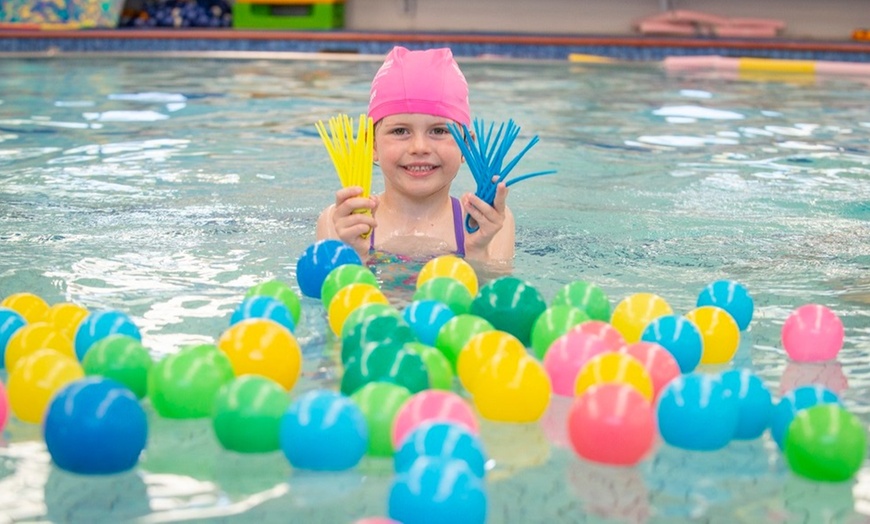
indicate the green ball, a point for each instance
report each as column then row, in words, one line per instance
column 280, row 291
column 387, row 363
column 384, row 330
column 344, row 275
column 379, row 402
column 184, row 385
column 450, row 291
column 440, row 373
column 554, row 322
column 511, row 305
column 122, row 358
column 366, row 311
column 586, row 296
column 825, row 442
column 456, row 332
column 247, row 414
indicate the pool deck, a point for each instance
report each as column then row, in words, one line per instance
column 36, row 42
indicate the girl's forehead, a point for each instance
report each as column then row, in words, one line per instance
column 414, row 119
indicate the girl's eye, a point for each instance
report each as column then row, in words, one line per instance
column 398, row 131
column 441, row 131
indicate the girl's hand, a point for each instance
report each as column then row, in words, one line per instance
column 490, row 221
column 350, row 226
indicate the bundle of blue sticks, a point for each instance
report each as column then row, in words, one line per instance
column 486, row 155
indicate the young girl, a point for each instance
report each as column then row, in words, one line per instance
column 414, row 95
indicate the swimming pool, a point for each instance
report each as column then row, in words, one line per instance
column 166, row 187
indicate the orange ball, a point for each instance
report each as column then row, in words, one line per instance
column 36, row 378
column 613, row 367
column 259, row 346
column 33, row 337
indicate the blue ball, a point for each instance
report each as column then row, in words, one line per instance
column 318, row 260
column 99, row 325
column 264, row 307
column 10, row 322
column 437, row 490
column 731, row 296
column 794, row 401
column 697, row 411
column 441, row 439
column 95, row 426
column 678, row 335
column 323, row 431
column 754, row 401
column 426, row 318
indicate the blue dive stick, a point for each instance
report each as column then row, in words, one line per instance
column 486, row 156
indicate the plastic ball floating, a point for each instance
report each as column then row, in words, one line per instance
column 31, row 307
column 184, row 385
column 35, row 336
column 731, row 296
column 433, row 406
column 609, row 334
column 678, row 335
column 483, row 348
column 613, row 367
column 318, row 260
column 812, row 333
column 612, row 424
column 264, row 307
column 120, row 358
column 426, row 317
column 436, row 489
column 386, row 363
column 449, row 291
column 348, row 299
column 95, row 426
column 4, row 407
column 247, row 414
column 510, row 305
column 512, row 388
column 379, row 331
column 656, row 360
column 567, row 356
column 827, row 443
column 442, row 439
column 280, row 291
column 35, row 380
column 101, row 324
column 323, row 431
column 585, row 296
column 554, row 322
column 10, row 322
column 345, row 275
column 66, row 317
column 456, row 332
column 754, row 402
column 379, row 403
column 438, row 367
column 262, row 347
column 697, row 412
column 633, row 313
column 719, row 332
column 365, row 312
column 450, row 266
column 792, row 403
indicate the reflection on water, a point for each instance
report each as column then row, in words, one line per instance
column 167, row 189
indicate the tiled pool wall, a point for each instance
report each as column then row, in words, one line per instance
column 546, row 47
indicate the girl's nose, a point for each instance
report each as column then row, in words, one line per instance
column 419, row 143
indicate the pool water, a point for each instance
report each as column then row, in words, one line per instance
column 166, row 187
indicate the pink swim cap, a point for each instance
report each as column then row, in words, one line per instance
column 427, row 82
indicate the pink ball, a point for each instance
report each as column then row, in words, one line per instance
column 432, row 404
column 600, row 329
column 658, row 361
column 4, row 407
column 812, row 333
column 612, row 424
column 568, row 354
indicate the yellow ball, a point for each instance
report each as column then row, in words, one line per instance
column 482, row 348
column 35, row 380
column 259, row 346
column 612, row 367
column 449, row 266
column 513, row 388
column 66, row 317
column 634, row 312
column 28, row 305
column 33, row 337
column 347, row 299
column 720, row 335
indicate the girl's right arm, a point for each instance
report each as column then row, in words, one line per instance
column 340, row 222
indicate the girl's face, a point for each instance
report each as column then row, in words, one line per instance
column 417, row 153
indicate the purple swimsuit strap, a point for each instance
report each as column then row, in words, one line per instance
column 458, row 229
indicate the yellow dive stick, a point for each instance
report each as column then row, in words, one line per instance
column 352, row 157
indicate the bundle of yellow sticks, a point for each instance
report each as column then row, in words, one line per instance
column 352, row 156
